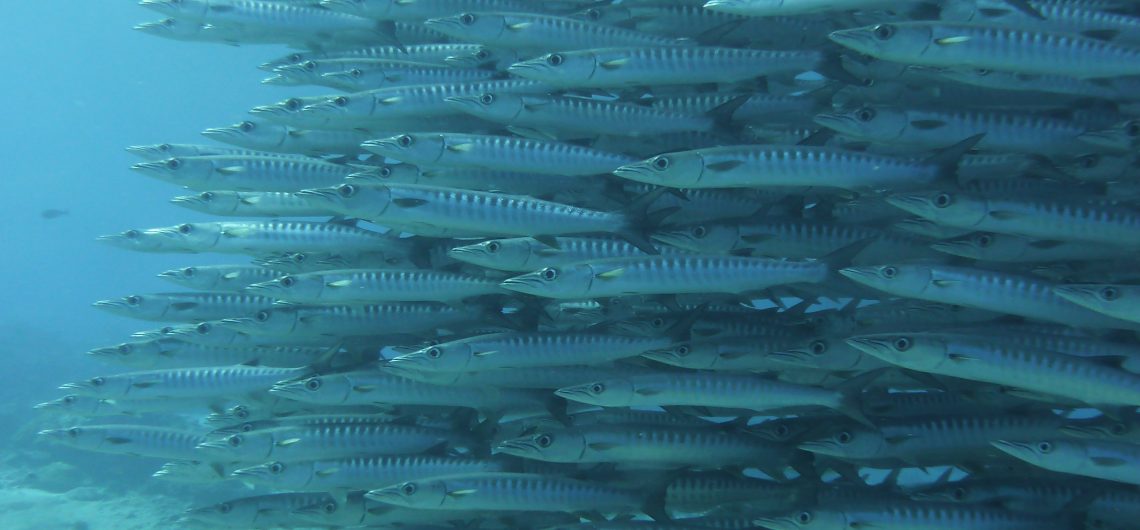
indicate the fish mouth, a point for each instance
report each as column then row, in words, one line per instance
column 1076, row 293
column 775, row 523
column 518, row 447
column 868, row 345
column 679, row 239
column 250, row 472
column 915, row 204
column 410, row 361
column 384, row 147
column 639, row 172
column 663, row 356
column 837, row 122
column 389, row 495
column 187, row 199
column 1015, row 449
column 465, row 102
column 442, row 24
column 106, row 351
column 155, row 166
column 520, row 68
column 460, row 252
column 241, row 325
column 322, row 195
column 579, row 393
column 222, row 132
column 213, row 446
column 280, row 80
column 1110, row 139
column 110, row 304
column 793, row 356
column 855, row 39
column 1080, row 431
column 955, row 248
column 858, row 274
column 526, row 284
column 141, row 149
column 818, row 447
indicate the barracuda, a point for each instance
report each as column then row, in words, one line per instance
column 185, row 307
column 135, row 440
column 522, row 350
column 358, row 472
column 238, row 173
column 377, row 286
column 280, row 138
column 206, row 383
column 532, row 32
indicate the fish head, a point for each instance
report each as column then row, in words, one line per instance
column 927, row 228
column 559, row 68
column 1105, row 428
column 294, row 288
column 499, row 108
column 871, row 122
column 686, row 354
column 1101, row 297
column 606, row 393
column 849, row 441
column 429, row 492
column 134, row 305
column 756, row 8
column 388, row 174
column 1103, row 167
column 193, row 237
column 951, row 208
column 274, row 473
column 918, row 351
column 350, row 199
column 1122, row 137
column 676, row 170
column 547, row 445
column 288, row 111
column 152, row 152
column 328, row 389
column 815, row 518
column 207, row 333
column 413, row 147
column 216, row 202
column 190, row 277
column 453, row 356
column 130, row 352
column 71, row 404
column 171, row 28
column 610, row 15
column 477, row 27
column 140, row 240
column 330, row 109
column 1044, row 453
column 509, row 254
column 98, row 386
column 253, row 445
column 267, row 322
column 351, row 80
column 80, row 437
column 570, row 281
column 484, row 57
column 250, row 133
column 648, row 326
column 788, row 430
column 234, row 414
column 820, row 352
column 962, row 491
column 986, row 246
column 889, row 41
column 902, row 280
column 246, row 513
column 708, row 238
column 176, row 170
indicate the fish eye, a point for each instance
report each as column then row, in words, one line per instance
column 313, row 384
column 682, row 350
column 133, row 300
column 234, row 440
column 1118, row 429
column 593, row 14
column 782, row 430
column 246, row 126
column 889, row 272
column 296, row 58
column 185, row 229
column 241, row 412
column 224, row 507
column 487, row 99
column 73, row 432
column 1088, row 161
column 959, row 494
column 844, row 437
column 165, row 147
column 550, row 274
column 818, row 347
column 309, row 65
column 482, row 54
column 287, row 281
column 467, row 19
column 555, row 59
column 982, row 71
column 404, row 141
column 292, row 104
column 385, row 172
column 68, row 399
column 434, row 353
column 276, row 468
column 97, row 381
column 1044, row 447
column 493, row 247
column 661, row 163
column 868, row 83
column 346, row 190
column 1109, row 293
column 985, row 240
column 261, row 316
column 597, row 388
column 298, row 257
column 865, row 114
column 356, row 73
column 1132, row 128
column 330, row 507
column 408, row 489
column 173, row 163
column 202, row 328
column 340, row 101
column 124, row 349
column 902, row 344
column 943, row 200
column 803, row 517
column 131, row 234
column 657, row 322
column 245, row 427
column 544, row 440
column 699, row 232
column 884, row 31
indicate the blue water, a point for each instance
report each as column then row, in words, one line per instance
column 82, row 86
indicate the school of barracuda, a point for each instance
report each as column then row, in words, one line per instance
column 649, row 265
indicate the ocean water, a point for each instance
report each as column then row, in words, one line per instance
column 82, row 86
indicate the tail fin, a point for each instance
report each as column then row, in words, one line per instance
column 640, row 221
column 947, row 159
